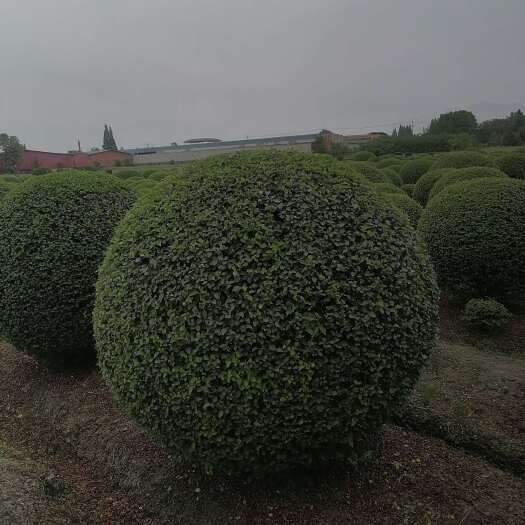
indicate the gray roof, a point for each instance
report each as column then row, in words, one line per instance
column 269, row 141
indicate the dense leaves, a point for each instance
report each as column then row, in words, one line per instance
column 54, row 230
column 424, row 185
column 412, row 171
column 487, row 314
column 264, row 311
column 462, row 159
column 368, row 171
column 476, row 239
column 5, row 187
column 454, row 176
column 513, row 164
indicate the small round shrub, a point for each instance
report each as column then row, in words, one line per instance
column 403, row 203
column 40, row 171
column 408, row 189
column 5, row 188
column 412, row 170
column 386, row 162
column 476, row 239
column 394, row 177
column 487, row 315
column 455, row 176
column 386, row 187
column 263, row 312
column 462, row 159
column 363, row 156
column 10, row 178
column 397, row 167
column 513, row 164
column 128, row 174
column 424, row 185
column 54, row 230
column 371, row 173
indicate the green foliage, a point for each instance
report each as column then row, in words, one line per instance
column 508, row 131
column 426, row 182
column 11, row 178
column 405, row 204
column 462, row 159
column 5, row 187
column 40, row 171
column 369, row 171
column 386, row 187
column 513, row 164
column 410, row 145
column 453, row 122
column 408, row 189
column 363, row 156
column 386, row 162
column 128, row 174
column 455, row 176
column 403, row 131
column 10, row 151
column 413, row 169
column 264, row 311
column 160, row 175
column 476, row 239
column 393, row 176
column 487, row 314
column 54, row 230
column 109, row 143
column 463, row 141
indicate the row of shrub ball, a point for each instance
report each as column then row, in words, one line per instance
column 256, row 312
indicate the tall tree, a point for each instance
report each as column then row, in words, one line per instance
column 10, row 151
column 112, row 142
column 105, row 141
column 453, row 122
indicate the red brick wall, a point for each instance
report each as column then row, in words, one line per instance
column 107, row 159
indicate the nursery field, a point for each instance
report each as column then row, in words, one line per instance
column 265, row 337
column 456, row 455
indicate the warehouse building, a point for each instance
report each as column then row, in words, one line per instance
column 195, row 149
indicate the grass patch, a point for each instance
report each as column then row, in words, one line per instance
column 475, row 400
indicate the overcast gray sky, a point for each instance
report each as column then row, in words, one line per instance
column 166, row 70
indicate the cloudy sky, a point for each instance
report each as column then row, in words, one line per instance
column 166, row 70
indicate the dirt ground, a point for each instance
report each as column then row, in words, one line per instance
column 68, row 426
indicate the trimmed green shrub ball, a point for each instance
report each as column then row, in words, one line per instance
column 394, row 177
column 363, row 156
column 10, row 178
column 412, row 170
column 455, row 176
column 128, row 174
column 386, row 187
column 264, row 312
column 408, row 189
column 5, row 188
column 403, row 203
column 487, row 315
column 54, row 230
column 397, row 167
column 462, row 159
column 513, row 164
column 476, row 239
column 424, row 185
column 371, row 173
column 386, row 162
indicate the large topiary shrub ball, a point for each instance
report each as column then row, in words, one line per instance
column 424, row 185
column 455, row 176
column 365, row 156
column 513, row 164
column 264, row 312
column 412, row 170
column 462, row 159
column 405, row 204
column 476, row 239
column 54, row 230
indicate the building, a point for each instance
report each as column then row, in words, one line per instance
column 32, row 159
column 195, row 149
